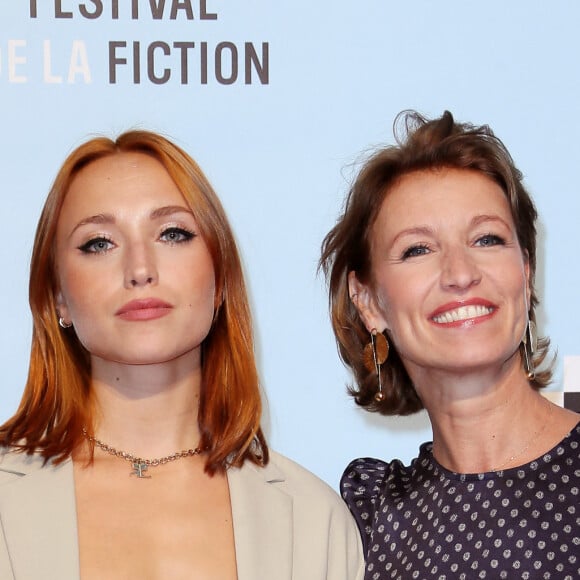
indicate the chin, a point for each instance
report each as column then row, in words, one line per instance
column 130, row 358
column 482, row 364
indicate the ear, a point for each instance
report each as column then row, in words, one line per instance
column 366, row 304
column 62, row 310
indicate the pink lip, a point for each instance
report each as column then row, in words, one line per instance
column 144, row 309
column 466, row 322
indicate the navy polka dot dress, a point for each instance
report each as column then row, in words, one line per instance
column 423, row 521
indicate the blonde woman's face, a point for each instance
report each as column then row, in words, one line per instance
column 136, row 279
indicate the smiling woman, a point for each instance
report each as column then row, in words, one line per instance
column 450, row 281
column 432, row 264
column 137, row 450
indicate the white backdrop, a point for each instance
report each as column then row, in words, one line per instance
column 313, row 84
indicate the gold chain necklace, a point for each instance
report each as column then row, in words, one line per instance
column 138, row 464
column 529, row 443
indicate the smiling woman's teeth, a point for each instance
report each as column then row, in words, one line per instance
column 462, row 313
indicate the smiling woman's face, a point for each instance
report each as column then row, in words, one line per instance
column 449, row 279
column 135, row 277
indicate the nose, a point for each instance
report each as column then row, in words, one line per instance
column 459, row 270
column 140, row 266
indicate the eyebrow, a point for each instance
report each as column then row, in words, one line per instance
column 427, row 231
column 480, row 219
column 418, row 230
column 100, row 218
column 107, row 218
column 169, row 210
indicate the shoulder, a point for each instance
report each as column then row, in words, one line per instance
column 366, row 477
column 325, row 539
column 328, row 531
column 297, row 474
column 302, row 484
column 289, row 478
column 569, row 447
column 15, row 464
column 367, row 481
column 365, row 484
column 574, row 435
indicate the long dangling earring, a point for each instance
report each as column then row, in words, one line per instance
column 63, row 324
column 530, row 341
column 375, row 353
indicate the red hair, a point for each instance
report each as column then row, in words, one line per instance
column 57, row 403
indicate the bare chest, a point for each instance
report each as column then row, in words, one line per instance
column 177, row 524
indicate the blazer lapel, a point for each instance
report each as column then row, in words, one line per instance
column 263, row 523
column 38, row 515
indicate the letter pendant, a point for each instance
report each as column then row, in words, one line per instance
column 139, row 469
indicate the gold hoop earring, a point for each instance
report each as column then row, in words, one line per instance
column 375, row 353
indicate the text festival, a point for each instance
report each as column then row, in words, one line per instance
column 157, row 62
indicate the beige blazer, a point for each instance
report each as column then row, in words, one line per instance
column 288, row 524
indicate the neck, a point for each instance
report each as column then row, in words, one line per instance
column 485, row 421
column 149, row 410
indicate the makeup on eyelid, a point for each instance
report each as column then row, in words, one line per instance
column 135, row 280
column 449, row 276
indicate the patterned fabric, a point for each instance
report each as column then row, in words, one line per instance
column 423, row 521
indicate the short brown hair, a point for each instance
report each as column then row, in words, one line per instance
column 56, row 404
column 421, row 144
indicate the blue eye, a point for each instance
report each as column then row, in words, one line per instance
column 97, row 246
column 176, row 235
column 490, row 240
column 413, row 251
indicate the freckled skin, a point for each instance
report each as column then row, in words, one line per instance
column 139, row 262
column 126, row 236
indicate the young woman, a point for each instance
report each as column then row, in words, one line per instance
column 432, row 264
column 137, row 450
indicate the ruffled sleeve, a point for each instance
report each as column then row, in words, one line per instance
column 361, row 487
